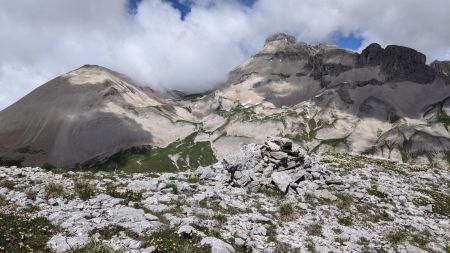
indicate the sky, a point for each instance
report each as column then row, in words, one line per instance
column 191, row 45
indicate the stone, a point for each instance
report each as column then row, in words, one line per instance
column 187, row 231
column 325, row 194
column 299, row 175
column 58, row 243
column 273, row 146
column 334, row 180
column 140, row 185
column 281, row 180
column 279, row 155
column 217, row 245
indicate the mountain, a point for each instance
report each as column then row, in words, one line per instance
column 87, row 115
column 385, row 101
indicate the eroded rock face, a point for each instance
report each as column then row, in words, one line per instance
column 398, row 63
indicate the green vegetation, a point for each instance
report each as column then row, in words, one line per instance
column 421, row 238
column 310, row 246
column 54, row 190
column 106, row 233
column 3, row 200
column 396, row 236
column 331, row 142
column 282, row 247
column 341, row 240
column 287, row 212
column 344, row 201
column 96, row 248
column 351, row 162
column 203, row 203
column 345, row 220
column 443, row 118
column 363, row 241
column 8, row 184
column 167, row 240
column 31, row 194
column 172, row 186
column 59, row 171
column 9, row 162
column 222, row 219
column 273, row 193
column 441, row 203
column 314, row 229
column 189, row 154
column 84, row 190
column 375, row 192
column 22, row 234
column 370, row 212
column 313, row 128
column 127, row 194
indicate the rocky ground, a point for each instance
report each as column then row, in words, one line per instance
column 265, row 198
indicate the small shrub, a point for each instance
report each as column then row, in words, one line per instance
column 203, row 203
column 375, row 192
column 344, row 201
column 173, row 187
column 396, row 237
column 167, row 240
column 282, row 247
column 421, row 238
column 84, row 190
column 58, row 171
column 337, row 231
column 340, row 240
column 310, row 246
column 3, row 200
column 127, row 195
column 309, row 197
column 8, row 184
column 345, row 220
column 106, row 233
column 273, row 193
column 286, row 211
column 363, row 241
column 54, row 190
column 222, row 219
column 31, row 209
column 31, row 194
column 96, row 248
column 314, row 229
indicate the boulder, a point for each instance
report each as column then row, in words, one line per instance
column 217, row 245
column 281, row 180
column 278, row 155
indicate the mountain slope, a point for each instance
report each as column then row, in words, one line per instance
column 385, row 101
column 330, row 99
column 87, row 114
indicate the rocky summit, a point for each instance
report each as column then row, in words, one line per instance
column 271, row 197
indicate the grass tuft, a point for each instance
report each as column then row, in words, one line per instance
column 53, row 190
column 84, row 190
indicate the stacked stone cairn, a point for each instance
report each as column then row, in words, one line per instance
column 281, row 165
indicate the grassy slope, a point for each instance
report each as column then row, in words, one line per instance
column 191, row 155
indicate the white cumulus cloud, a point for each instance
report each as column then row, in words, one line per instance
column 40, row 40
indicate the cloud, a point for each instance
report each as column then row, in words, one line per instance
column 42, row 39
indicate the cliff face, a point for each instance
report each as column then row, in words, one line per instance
column 384, row 101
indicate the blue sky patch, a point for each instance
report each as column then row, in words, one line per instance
column 351, row 41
